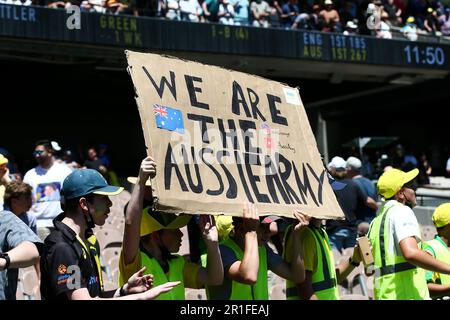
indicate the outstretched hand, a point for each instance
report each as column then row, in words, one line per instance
column 156, row 291
column 139, row 282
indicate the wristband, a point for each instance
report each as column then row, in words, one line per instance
column 122, row 291
column 7, row 259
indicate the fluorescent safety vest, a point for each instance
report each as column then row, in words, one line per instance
column 242, row 291
column 324, row 278
column 441, row 253
column 176, row 267
column 395, row 278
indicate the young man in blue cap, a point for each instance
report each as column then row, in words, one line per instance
column 70, row 264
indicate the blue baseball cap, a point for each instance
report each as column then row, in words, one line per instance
column 336, row 185
column 82, row 182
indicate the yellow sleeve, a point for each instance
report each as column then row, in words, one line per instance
column 308, row 246
column 190, row 272
column 126, row 271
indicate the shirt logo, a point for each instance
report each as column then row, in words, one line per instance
column 62, row 269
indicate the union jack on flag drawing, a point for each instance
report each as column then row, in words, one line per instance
column 160, row 110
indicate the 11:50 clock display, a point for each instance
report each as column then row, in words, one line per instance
column 427, row 55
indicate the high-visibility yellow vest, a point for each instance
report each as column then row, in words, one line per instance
column 395, row 278
column 176, row 267
column 242, row 291
column 441, row 253
column 324, row 278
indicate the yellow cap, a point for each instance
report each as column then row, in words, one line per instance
column 3, row 160
column 156, row 220
column 224, row 225
column 393, row 180
column 441, row 215
column 133, row 180
column 410, row 20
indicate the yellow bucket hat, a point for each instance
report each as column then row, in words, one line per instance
column 3, row 159
column 441, row 215
column 153, row 220
column 393, row 180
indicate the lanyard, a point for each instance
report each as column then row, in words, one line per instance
column 97, row 260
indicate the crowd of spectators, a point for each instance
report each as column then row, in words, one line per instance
column 380, row 18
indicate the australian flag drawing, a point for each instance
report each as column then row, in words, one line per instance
column 168, row 118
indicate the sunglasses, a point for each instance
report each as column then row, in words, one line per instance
column 411, row 185
column 38, row 152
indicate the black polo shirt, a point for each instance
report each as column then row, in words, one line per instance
column 63, row 256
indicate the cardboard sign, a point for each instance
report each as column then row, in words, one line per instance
column 221, row 138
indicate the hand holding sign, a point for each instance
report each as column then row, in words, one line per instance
column 208, row 227
column 251, row 217
column 147, row 169
column 303, row 220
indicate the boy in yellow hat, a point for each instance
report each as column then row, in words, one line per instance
column 395, row 237
column 439, row 284
column 152, row 237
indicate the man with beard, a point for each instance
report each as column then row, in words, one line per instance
column 46, row 180
column 395, row 237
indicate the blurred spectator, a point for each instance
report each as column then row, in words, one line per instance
column 350, row 28
column 94, row 162
column 365, row 212
column 23, row 248
column 311, row 21
column 261, row 11
column 424, row 170
column 290, row 12
column 18, row 200
column 394, row 13
column 410, row 29
column 68, row 160
column 210, row 10
column 226, row 12
column 115, row 7
column 46, row 180
column 431, row 23
column 444, row 22
column 172, row 10
column 384, row 31
column 241, row 11
column 331, row 18
column 343, row 233
column 190, row 10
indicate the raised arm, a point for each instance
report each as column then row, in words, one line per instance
column 213, row 274
column 295, row 271
column 131, row 236
column 246, row 271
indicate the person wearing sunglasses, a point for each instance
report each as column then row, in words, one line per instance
column 395, row 237
column 46, row 180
